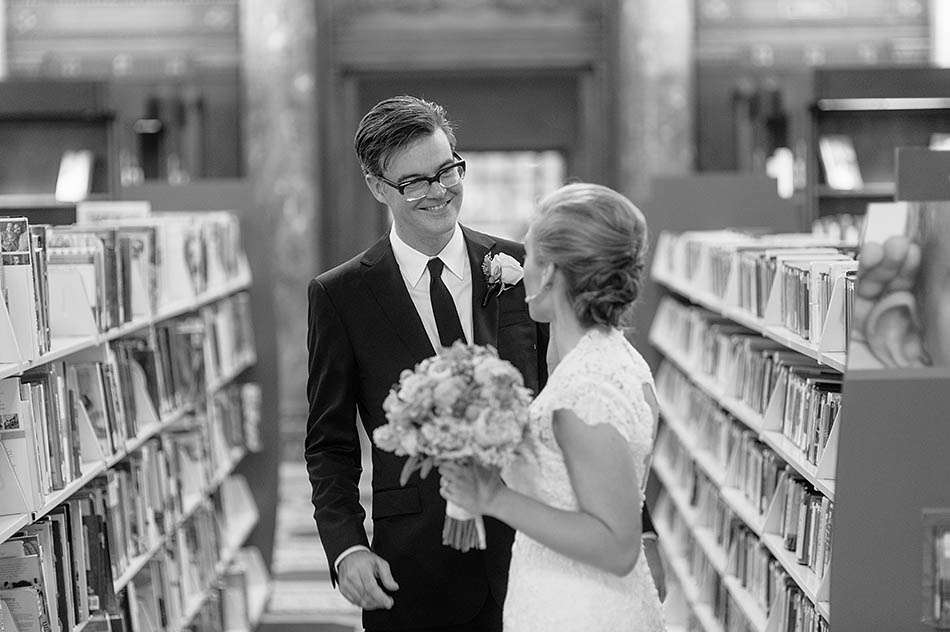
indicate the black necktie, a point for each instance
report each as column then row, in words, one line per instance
column 443, row 307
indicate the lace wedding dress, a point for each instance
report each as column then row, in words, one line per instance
column 602, row 381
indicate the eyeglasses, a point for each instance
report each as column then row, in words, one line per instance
column 417, row 188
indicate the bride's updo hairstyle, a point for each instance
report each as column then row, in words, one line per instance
column 597, row 238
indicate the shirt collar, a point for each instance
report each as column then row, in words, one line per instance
column 412, row 263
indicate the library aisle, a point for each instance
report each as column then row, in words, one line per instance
column 303, row 597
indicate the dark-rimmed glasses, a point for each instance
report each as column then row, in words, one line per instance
column 417, row 188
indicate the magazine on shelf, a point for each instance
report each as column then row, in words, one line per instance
column 23, row 485
column 91, row 389
column 19, row 284
column 105, row 288
column 83, row 254
column 26, row 574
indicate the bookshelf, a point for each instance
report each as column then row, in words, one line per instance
column 156, row 472
column 878, row 110
column 712, row 434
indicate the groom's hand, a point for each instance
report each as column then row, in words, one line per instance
column 361, row 573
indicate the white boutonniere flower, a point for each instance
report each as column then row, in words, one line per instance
column 501, row 272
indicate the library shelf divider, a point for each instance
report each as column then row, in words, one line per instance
column 70, row 313
column 89, row 446
column 832, row 338
column 12, row 497
column 9, row 348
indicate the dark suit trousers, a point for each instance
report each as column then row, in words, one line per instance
column 487, row 620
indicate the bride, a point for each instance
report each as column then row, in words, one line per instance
column 575, row 495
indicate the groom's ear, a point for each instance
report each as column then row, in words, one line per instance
column 375, row 186
column 894, row 332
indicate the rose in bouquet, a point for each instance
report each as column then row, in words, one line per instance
column 465, row 403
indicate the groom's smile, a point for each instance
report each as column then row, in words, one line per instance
column 437, row 207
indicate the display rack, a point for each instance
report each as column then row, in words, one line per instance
column 829, row 352
column 238, row 528
column 67, row 346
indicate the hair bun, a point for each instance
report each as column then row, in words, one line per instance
column 608, row 291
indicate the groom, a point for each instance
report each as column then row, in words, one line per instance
column 419, row 287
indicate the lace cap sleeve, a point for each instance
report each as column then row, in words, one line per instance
column 596, row 402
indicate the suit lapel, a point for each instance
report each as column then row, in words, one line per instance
column 484, row 318
column 384, row 279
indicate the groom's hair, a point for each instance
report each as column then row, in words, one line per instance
column 394, row 123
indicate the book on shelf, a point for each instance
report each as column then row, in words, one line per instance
column 230, row 337
column 840, row 162
column 806, row 525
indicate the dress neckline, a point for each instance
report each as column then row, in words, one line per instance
column 589, row 335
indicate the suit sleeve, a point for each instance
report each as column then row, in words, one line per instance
column 332, row 446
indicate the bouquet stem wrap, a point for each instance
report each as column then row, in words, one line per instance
column 462, row 530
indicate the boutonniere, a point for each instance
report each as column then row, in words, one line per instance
column 501, row 272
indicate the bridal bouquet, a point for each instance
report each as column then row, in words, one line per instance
column 463, row 403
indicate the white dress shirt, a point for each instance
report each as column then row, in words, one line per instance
column 457, row 276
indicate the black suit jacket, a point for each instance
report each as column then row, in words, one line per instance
column 363, row 331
